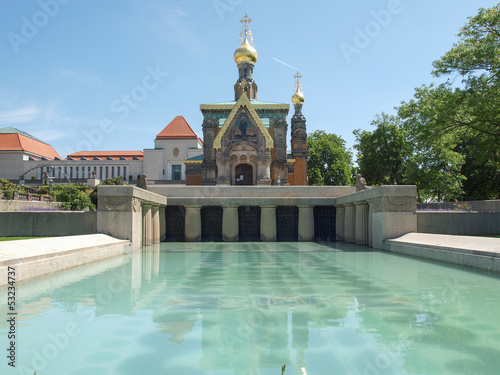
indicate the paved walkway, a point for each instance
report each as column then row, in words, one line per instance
column 479, row 252
column 36, row 257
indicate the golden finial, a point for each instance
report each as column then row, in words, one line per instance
column 246, row 52
column 245, row 30
column 298, row 97
column 298, row 84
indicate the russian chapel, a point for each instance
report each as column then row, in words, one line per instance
column 244, row 141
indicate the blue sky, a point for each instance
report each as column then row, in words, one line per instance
column 111, row 74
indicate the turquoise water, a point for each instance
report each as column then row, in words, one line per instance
column 248, row 308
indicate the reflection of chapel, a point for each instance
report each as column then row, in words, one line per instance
column 244, row 141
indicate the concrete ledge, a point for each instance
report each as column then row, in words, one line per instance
column 477, row 252
column 146, row 196
column 12, row 205
column 32, row 258
column 252, row 191
column 389, row 191
column 252, row 201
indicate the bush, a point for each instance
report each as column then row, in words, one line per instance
column 42, row 189
column 113, row 181
column 8, row 194
column 73, row 197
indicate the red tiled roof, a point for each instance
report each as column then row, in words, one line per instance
column 103, row 155
column 19, row 142
column 177, row 129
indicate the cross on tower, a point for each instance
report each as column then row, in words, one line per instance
column 245, row 31
column 246, row 22
column 298, row 76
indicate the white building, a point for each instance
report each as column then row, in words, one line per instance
column 24, row 156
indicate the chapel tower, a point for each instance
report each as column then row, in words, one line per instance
column 299, row 135
column 245, row 57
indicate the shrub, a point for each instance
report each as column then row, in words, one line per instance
column 73, row 197
column 462, row 206
column 42, row 189
column 113, row 181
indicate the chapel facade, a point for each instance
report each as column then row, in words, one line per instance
column 245, row 140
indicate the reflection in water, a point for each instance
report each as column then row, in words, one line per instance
column 248, row 308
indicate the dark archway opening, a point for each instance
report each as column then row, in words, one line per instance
column 243, row 175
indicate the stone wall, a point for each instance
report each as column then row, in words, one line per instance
column 483, row 206
column 459, row 223
column 36, row 224
column 12, row 205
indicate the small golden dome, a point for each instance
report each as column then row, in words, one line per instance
column 298, row 97
column 245, row 53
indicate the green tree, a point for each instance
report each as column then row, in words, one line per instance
column 435, row 165
column 454, row 127
column 473, row 105
column 383, row 153
column 328, row 162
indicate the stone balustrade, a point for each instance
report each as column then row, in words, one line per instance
column 369, row 217
column 128, row 212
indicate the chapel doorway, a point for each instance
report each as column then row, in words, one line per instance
column 243, row 174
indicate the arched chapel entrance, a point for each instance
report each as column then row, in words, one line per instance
column 243, row 174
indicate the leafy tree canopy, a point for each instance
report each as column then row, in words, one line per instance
column 383, row 152
column 328, row 162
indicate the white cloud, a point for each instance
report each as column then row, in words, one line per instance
column 49, row 135
column 19, row 115
column 80, row 77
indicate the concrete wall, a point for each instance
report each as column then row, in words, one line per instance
column 491, row 206
column 33, row 224
column 12, row 205
column 11, row 164
column 459, row 223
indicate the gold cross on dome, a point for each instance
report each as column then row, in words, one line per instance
column 246, row 22
column 298, row 76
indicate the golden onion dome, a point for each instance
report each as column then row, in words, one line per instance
column 298, row 97
column 245, row 53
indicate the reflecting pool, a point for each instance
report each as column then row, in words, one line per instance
column 249, row 308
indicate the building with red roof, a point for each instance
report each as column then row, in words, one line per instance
column 22, row 156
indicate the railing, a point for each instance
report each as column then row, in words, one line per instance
column 28, row 197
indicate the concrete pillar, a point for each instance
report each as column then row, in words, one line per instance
column 230, row 223
column 268, row 223
column 192, row 224
column 163, row 224
column 370, row 223
column 155, row 216
column 147, row 230
column 339, row 223
column 350, row 223
column 306, row 223
column 361, row 231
